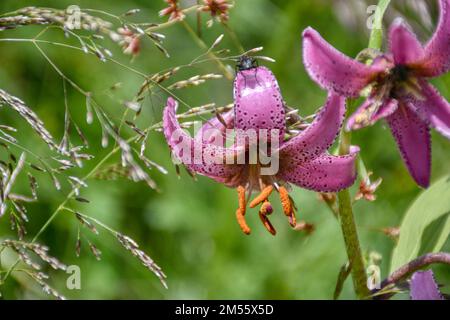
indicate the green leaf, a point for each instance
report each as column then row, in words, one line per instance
column 376, row 36
column 426, row 225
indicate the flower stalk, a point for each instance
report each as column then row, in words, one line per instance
column 349, row 231
column 346, row 217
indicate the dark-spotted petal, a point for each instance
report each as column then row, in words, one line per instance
column 424, row 287
column 333, row 70
column 320, row 135
column 437, row 51
column 203, row 158
column 369, row 113
column 214, row 130
column 325, row 173
column 433, row 108
column 412, row 135
column 404, row 45
column 258, row 101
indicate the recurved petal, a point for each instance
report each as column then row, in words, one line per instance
column 370, row 112
column 258, row 101
column 203, row 158
column 404, row 44
column 424, row 287
column 320, row 135
column 432, row 108
column 412, row 135
column 333, row 70
column 437, row 50
column 325, row 173
column 214, row 130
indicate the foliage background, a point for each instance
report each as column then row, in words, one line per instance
column 189, row 228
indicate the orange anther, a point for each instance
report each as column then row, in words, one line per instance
column 288, row 207
column 293, row 219
column 285, row 201
column 240, row 212
column 265, row 193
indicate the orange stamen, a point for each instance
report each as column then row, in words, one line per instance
column 266, row 208
column 267, row 223
column 285, row 201
column 240, row 212
column 287, row 204
column 265, row 193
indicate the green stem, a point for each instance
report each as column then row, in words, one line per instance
column 346, row 217
column 376, row 36
column 352, row 244
column 349, row 231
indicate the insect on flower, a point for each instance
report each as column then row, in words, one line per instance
column 399, row 90
column 260, row 159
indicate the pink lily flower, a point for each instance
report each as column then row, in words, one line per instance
column 302, row 160
column 400, row 92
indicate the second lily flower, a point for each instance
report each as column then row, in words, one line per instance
column 400, row 92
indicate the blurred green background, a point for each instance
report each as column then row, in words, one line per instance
column 189, row 228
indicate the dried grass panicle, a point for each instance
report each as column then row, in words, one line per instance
column 154, row 80
column 37, row 15
column 95, row 251
column 131, row 245
column 127, row 35
column 39, row 277
column 112, row 172
column 22, row 249
column 194, row 81
column 18, row 217
column 206, row 109
column 49, row 290
column 86, row 222
column 20, row 20
column 7, row 183
column 136, row 173
column 38, row 125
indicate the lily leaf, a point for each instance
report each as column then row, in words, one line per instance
column 425, row 226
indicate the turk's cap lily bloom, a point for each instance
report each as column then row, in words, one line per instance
column 303, row 160
column 399, row 90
